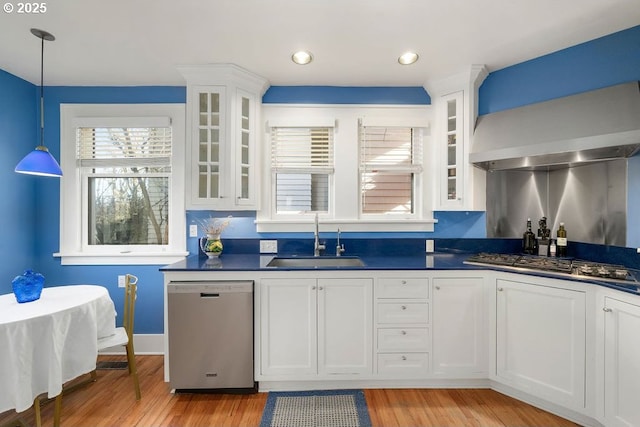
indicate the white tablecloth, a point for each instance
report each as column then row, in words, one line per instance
column 47, row 342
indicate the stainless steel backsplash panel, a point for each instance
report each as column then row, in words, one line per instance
column 589, row 199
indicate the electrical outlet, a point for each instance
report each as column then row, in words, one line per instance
column 121, row 281
column 193, row 230
column 429, row 246
column 268, row 246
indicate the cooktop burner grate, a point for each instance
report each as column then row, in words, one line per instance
column 607, row 272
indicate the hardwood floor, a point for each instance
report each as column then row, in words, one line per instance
column 111, row 402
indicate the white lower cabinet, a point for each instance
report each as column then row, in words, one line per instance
column 459, row 327
column 314, row 328
column 403, row 338
column 541, row 341
column 621, row 363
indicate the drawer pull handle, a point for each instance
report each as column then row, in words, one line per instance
column 404, row 307
column 606, row 310
column 404, row 332
column 404, row 357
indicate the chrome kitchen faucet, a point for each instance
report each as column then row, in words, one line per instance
column 317, row 246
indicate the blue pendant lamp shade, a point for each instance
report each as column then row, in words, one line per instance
column 40, row 161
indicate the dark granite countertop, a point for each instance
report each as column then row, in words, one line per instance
column 256, row 262
column 435, row 261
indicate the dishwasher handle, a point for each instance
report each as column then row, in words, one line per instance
column 209, row 295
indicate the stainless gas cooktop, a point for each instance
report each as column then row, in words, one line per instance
column 562, row 266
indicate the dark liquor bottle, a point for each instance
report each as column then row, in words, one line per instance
column 561, row 248
column 529, row 240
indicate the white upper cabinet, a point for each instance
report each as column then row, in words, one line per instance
column 461, row 187
column 223, row 108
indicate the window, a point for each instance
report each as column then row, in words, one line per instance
column 390, row 160
column 361, row 168
column 122, row 186
column 301, row 166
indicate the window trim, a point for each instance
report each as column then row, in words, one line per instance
column 344, row 202
column 71, row 188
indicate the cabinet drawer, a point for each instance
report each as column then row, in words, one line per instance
column 414, row 287
column 403, row 363
column 403, row 339
column 396, row 313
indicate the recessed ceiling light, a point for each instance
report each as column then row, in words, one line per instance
column 408, row 58
column 302, row 57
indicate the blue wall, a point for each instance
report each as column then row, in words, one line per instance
column 18, row 136
column 34, row 212
column 588, row 66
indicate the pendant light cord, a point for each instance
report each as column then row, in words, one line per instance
column 42, row 92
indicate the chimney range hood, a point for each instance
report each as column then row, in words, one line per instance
column 599, row 125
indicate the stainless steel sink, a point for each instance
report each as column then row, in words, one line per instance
column 315, row 262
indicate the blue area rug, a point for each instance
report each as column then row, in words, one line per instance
column 324, row 408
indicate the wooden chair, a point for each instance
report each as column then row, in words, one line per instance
column 124, row 334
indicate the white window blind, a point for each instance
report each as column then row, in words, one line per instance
column 390, row 157
column 302, row 149
column 302, row 161
column 123, row 147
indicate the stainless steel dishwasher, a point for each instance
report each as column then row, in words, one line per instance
column 211, row 335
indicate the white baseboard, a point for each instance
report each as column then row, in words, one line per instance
column 142, row 343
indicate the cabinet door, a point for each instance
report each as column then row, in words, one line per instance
column 246, row 149
column 452, row 187
column 288, row 326
column 345, row 326
column 541, row 340
column 621, row 363
column 459, row 327
column 207, row 105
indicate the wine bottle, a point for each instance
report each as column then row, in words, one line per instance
column 561, row 245
column 529, row 240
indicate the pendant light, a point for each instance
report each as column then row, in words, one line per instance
column 40, row 161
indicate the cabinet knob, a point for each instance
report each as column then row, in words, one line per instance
column 320, row 288
column 606, row 310
column 500, row 289
column 404, row 282
column 404, row 307
column 437, row 288
column 313, row 288
column 404, row 357
column 404, row 332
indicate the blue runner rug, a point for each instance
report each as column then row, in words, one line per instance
column 324, row 408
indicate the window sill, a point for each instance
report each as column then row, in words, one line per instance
column 359, row 225
column 120, row 259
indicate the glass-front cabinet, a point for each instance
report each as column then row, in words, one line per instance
column 209, row 137
column 453, row 179
column 222, row 139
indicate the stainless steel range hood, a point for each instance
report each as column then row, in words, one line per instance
column 600, row 125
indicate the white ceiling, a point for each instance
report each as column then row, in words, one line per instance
column 354, row 42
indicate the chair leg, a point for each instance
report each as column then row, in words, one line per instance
column 57, row 411
column 133, row 371
column 36, row 409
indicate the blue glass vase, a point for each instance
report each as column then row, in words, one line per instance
column 28, row 286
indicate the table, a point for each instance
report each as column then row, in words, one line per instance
column 47, row 342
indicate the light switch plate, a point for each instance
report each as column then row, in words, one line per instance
column 121, row 281
column 193, row 230
column 268, row 246
column 429, row 246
